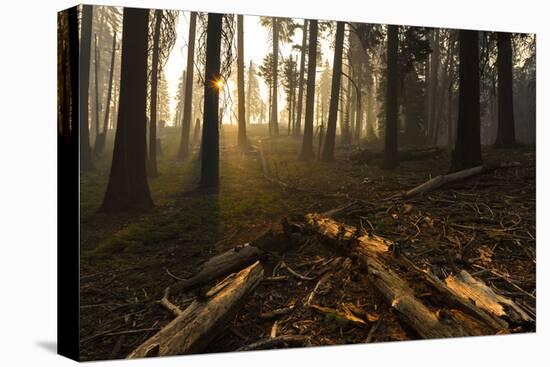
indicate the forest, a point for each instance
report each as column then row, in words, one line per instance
column 254, row 182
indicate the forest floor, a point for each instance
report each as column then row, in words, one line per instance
column 485, row 223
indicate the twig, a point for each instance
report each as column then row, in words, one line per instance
column 373, row 329
column 294, row 273
column 165, row 302
column 172, row 275
column 283, row 340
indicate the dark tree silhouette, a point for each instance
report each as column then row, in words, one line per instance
column 301, row 82
column 506, row 136
column 240, row 83
column 328, row 148
column 188, row 99
column 467, row 151
column 86, row 163
column 391, row 159
column 152, row 163
column 306, row 152
column 128, row 188
column 210, row 133
column 97, row 104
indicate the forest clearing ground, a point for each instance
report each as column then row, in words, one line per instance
column 486, row 224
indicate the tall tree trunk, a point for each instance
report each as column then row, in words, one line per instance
column 128, row 188
column 306, row 152
column 358, row 75
column 328, row 149
column 294, row 82
column 240, row 83
column 274, row 108
column 187, row 102
column 152, row 166
column 506, row 136
column 434, row 82
column 249, row 94
column 444, row 82
column 369, row 128
column 100, row 139
column 391, row 159
column 179, row 120
column 86, row 163
column 110, row 89
column 467, row 151
column 301, row 81
column 96, row 88
column 210, row 131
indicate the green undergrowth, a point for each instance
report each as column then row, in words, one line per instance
column 182, row 213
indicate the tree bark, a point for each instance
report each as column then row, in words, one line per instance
column 86, row 163
column 506, row 136
column 152, row 166
column 210, row 151
column 274, row 108
column 97, row 104
column 328, row 149
column 187, row 102
column 240, row 83
column 128, row 188
column 307, row 143
column 434, row 83
column 204, row 319
column 220, row 265
column 391, row 159
column 467, row 151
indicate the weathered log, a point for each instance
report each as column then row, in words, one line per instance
column 199, row 323
column 485, row 298
column 445, row 313
column 441, row 180
column 220, row 265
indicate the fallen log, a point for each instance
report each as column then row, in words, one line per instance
column 446, row 312
column 198, row 324
column 441, row 180
column 485, row 298
column 220, row 265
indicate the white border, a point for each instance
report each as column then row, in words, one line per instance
column 28, row 181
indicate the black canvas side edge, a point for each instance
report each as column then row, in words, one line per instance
column 68, row 182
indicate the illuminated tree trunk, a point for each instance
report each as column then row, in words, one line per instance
column 391, row 159
column 128, row 188
column 307, row 143
column 86, row 163
column 152, row 166
column 249, row 94
column 240, row 83
column 187, row 102
column 328, row 149
column 100, row 139
column 467, row 151
column 506, row 136
column 274, row 108
column 210, row 130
